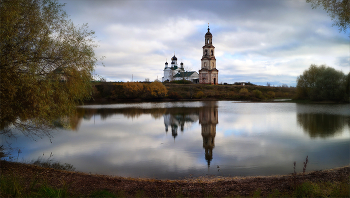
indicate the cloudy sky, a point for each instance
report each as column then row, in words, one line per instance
column 255, row 41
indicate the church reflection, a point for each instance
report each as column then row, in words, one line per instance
column 175, row 120
column 207, row 117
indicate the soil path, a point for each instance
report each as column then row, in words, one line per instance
column 84, row 184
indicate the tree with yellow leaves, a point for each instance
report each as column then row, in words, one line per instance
column 45, row 64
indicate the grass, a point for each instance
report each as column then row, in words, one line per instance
column 11, row 186
column 322, row 189
column 43, row 183
column 50, row 163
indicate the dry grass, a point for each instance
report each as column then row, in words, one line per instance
column 82, row 185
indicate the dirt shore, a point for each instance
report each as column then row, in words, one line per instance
column 82, row 184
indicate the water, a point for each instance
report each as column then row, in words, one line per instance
column 172, row 140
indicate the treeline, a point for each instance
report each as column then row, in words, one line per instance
column 322, row 83
column 228, row 92
column 173, row 91
column 318, row 83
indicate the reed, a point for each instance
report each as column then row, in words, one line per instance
column 50, row 163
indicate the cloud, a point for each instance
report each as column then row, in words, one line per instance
column 344, row 61
column 254, row 40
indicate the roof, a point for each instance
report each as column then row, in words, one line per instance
column 208, row 33
column 174, row 58
column 174, row 68
column 184, row 74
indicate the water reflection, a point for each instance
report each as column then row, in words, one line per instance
column 322, row 124
column 173, row 140
column 208, row 118
column 176, row 118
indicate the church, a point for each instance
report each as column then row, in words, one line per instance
column 208, row 74
column 174, row 72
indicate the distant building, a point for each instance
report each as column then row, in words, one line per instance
column 174, row 72
column 208, row 73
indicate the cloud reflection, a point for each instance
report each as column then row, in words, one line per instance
column 246, row 139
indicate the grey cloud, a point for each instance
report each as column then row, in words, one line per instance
column 344, row 61
column 148, row 32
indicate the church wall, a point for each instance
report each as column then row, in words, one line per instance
column 210, row 77
column 205, row 64
column 212, row 64
column 214, row 78
column 203, row 77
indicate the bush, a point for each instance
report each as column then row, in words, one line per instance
column 133, row 89
column 271, row 94
column 174, row 95
column 322, row 83
column 258, row 94
column 231, row 95
column 181, row 82
column 199, row 94
column 155, row 90
column 243, row 91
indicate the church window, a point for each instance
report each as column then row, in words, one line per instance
column 206, row 52
column 212, row 52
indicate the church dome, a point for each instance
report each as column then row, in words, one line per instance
column 208, row 33
column 174, row 58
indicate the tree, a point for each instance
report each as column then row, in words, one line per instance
column 156, row 90
column 339, row 10
column 45, row 65
column 133, row 89
column 322, row 83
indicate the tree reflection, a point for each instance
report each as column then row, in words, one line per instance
column 321, row 124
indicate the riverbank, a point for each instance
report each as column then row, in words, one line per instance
column 108, row 91
column 31, row 180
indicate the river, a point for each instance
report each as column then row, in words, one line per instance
column 174, row 140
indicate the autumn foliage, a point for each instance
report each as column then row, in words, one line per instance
column 323, row 83
column 158, row 90
column 137, row 90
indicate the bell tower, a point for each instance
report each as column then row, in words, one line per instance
column 208, row 73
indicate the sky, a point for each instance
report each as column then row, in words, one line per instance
column 263, row 41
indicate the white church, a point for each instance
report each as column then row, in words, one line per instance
column 208, row 74
column 174, row 72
